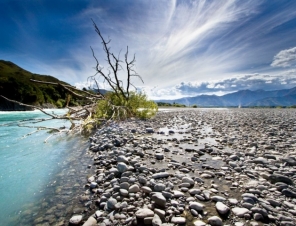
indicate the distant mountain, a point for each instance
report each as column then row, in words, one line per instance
column 15, row 84
column 287, row 100
column 284, row 97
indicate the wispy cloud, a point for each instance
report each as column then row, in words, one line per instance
column 285, row 58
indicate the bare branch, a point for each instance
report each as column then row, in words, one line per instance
column 30, row 106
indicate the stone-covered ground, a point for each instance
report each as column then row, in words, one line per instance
column 189, row 167
column 194, row 167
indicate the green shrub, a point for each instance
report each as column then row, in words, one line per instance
column 60, row 103
column 117, row 107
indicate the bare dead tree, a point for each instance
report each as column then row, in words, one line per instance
column 111, row 76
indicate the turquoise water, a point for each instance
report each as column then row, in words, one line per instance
column 27, row 164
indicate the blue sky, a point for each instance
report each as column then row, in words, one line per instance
column 183, row 48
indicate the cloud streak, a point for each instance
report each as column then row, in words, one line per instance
column 183, row 47
column 285, row 58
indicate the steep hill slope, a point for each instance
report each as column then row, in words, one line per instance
column 15, row 84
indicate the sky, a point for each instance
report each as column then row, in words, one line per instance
column 182, row 47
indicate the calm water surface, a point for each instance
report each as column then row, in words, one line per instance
column 27, row 164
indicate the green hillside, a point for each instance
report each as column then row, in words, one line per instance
column 15, row 84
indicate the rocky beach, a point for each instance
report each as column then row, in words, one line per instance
column 185, row 167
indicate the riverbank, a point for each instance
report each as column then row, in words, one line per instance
column 230, row 166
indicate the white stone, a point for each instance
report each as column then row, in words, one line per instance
column 222, row 208
column 215, row 221
column 143, row 213
column 196, row 205
column 134, row 188
column 76, row 219
column 188, row 180
column 178, row 220
column 240, row 212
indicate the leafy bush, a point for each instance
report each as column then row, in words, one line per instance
column 117, row 107
column 60, row 103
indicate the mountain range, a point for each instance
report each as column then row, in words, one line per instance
column 246, row 98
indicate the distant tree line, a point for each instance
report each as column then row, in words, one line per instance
column 164, row 104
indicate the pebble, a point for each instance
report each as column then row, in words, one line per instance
column 143, row 213
column 76, row 219
column 222, row 208
column 215, row 221
column 196, row 206
column 240, row 212
column 178, row 220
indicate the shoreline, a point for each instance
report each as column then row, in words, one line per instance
column 183, row 167
column 233, row 166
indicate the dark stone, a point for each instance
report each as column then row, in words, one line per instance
column 289, row 193
column 273, row 178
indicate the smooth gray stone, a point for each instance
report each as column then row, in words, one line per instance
column 156, row 221
column 273, row 202
column 222, row 208
column 269, row 207
column 217, row 198
column 122, row 167
column 199, row 180
column 260, row 160
column 160, row 213
column 249, row 200
column 178, row 220
column 250, row 195
column 159, row 156
column 289, row 193
column 160, row 175
column 124, row 185
column 149, row 130
column 188, row 180
column 143, row 213
column 291, row 161
column 159, row 187
column 134, row 188
column 76, row 219
column 167, row 194
column 194, row 212
column 196, row 205
column 123, row 192
column 206, row 194
column 247, row 205
column 146, row 189
column 273, row 178
column 215, row 221
column 194, row 191
column 142, row 180
column 111, row 203
column 122, row 158
column 91, row 221
column 258, row 217
column 262, row 211
column 159, row 199
column 199, row 223
column 178, row 194
column 240, row 212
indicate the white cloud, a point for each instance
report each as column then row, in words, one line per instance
column 221, row 87
column 285, row 58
